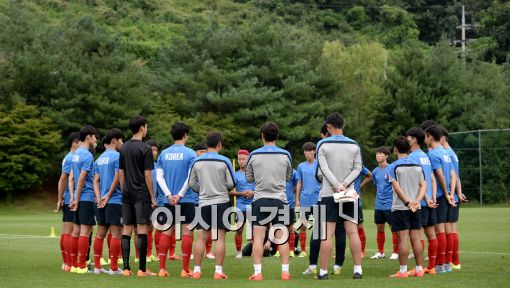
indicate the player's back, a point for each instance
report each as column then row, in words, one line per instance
column 409, row 175
column 106, row 166
column 135, row 157
column 84, row 161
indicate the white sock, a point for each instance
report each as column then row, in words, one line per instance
column 197, row 269
column 219, row 269
column 357, row 269
column 257, row 268
column 312, row 267
column 403, row 268
column 323, row 272
column 336, row 267
column 419, row 268
column 285, row 268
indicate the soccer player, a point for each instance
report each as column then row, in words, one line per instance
column 409, row 186
column 358, row 185
column 173, row 168
column 158, row 194
column 108, row 210
column 290, row 191
column 212, row 176
column 63, row 200
column 383, row 201
column 83, row 204
column 135, row 164
column 340, row 164
column 270, row 167
column 446, row 179
column 416, row 138
column 307, row 190
column 452, row 237
column 244, row 192
column 200, row 149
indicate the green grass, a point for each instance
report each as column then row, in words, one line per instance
column 30, row 261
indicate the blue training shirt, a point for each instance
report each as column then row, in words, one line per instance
column 106, row 166
column 455, row 161
column 357, row 182
column 289, row 189
column 439, row 159
column 241, row 186
column 423, row 160
column 176, row 162
column 84, row 161
column 67, row 164
column 158, row 193
column 310, row 188
column 384, row 189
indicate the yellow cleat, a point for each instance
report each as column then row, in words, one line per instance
column 104, row 262
column 302, row 254
column 456, row 267
column 291, row 254
column 82, row 270
column 336, row 271
column 277, row 254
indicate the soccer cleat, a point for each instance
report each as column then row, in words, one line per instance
column 321, row 277
column 196, row 275
column 163, row 273
column 63, row 267
column 256, row 277
column 286, row 276
column 440, row 269
column 431, row 271
column 310, row 271
column 292, row 254
column 448, row 267
column 336, row 271
column 127, row 273
column 394, row 256
column 357, row 276
column 148, row 259
column 456, row 267
column 137, row 259
column 239, row 255
column 153, row 258
column 120, row 261
column 185, row 274
column 115, row 272
column 277, row 254
column 174, row 257
column 73, row 269
column 399, row 275
column 67, row 269
column 104, row 262
column 100, row 271
column 82, row 270
column 147, row 272
column 219, row 276
column 302, row 254
column 210, row 256
column 414, row 273
column 378, row 255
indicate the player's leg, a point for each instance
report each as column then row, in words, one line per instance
column 116, row 232
column 441, row 212
column 340, row 243
column 66, row 237
column 259, row 233
column 199, row 249
column 361, row 231
column 98, row 247
column 188, row 211
column 302, row 241
column 143, row 212
column 449, row 239
column 415, row 234
column 403, row 253
column 351, row 230
column 208, row 247
column 87, row 220
column 220, row 254
column 455, row 235
column 238, row 238
column 73, row 243
column 326, row 247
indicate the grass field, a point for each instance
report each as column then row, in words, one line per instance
column 28, row 257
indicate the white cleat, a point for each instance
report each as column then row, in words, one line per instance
column 310, row 271
column 100, row 271
column 210, row 256
column 378, row 255
column 117, row 272
column 394, row 256
column 239, row 255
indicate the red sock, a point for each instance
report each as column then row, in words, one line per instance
column 164, row 242
column 186, row 246
column 109, row 242
column 74, row 250
column 423, row 244
column 455, row 255
column 157, row 237
column 171, row 247
column 381, row 238
column 449, row 247
column 239, row 242
column 292, row 241
column 362, row 237
column 302, row 240
column 136, row 246
column 149, row 243
column 114, row 253
column 98, row 252
column 395, row 242
column 67, row 247
column 62, row 248
column 432, row 252
column 208, row 244
column 441, row 248
column 83, row 248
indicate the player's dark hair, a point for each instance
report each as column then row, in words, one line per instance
column 137, row 122
column 416, row 132
column 383, row 149
column 178, row 130
column 309, row 146
column 214, row 138
column 152, row 143
column 199, row 146
column 270, row 131
column 444, row 132
column 427, row 123
column 103, row 141
column 435, row 132
column 402, row 144
column 72, row 138
column 324, row 129
column 336, row 120
column 114, row 133
column 86, row 131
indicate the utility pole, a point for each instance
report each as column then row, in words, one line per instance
column 463, row 28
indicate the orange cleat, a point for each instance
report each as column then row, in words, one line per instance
column 185, row 274
column 256, row 277
column 411, row 272
column 147, row 272
column 286, row 276
column 416, row 274
column 399, row 275
column 174, row 257
column 218, row 276
column 196, row 275
column 127, row 273
column 163, row 273
column 431, row 271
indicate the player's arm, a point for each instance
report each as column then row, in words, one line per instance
column 97, row 190
column 453, row 185
column 298, row 188
column 160, row 178
column 79, row 187
column 358, row 165
column 231, row 183
column 70, row 184
column 250, row 176
column 193, row 182
column 122, row 178
column 112, row 189
column 367, row 180
column 326, row 171
column 461, row 195
column 431, row 203
column 175, row 199
column 62, row 182
column 401, row 195
column 442, row 180
column 149, row 182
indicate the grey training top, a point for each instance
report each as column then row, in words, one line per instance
column 409, row 176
